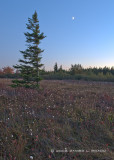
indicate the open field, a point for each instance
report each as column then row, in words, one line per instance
column 75, row 115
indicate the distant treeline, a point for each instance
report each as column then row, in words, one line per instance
column 76, row 72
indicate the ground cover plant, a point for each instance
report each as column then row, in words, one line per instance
column 61, row 115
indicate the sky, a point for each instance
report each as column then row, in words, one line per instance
column 86, row 39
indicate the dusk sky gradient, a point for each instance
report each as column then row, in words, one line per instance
column 87, row 40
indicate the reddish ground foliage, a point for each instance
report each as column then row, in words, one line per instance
column 76, row 117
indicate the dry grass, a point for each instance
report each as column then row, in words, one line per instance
column 76, row 115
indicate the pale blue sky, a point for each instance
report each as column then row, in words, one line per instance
column 88, row 39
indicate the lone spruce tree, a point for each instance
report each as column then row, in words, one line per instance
column 30, row 66
column 55, row 67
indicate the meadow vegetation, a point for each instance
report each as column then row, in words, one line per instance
column 61, row 115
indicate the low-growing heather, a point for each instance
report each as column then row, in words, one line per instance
column 63, row 120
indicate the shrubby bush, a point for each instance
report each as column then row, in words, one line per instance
column 76, row 72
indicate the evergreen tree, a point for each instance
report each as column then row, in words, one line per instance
column 60, row 69
column 76, row 69
column 30, row 66
column 55, row 67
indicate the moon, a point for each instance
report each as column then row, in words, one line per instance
column 72, row 18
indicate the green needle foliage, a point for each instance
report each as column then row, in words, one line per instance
column 55, row 67
column 30, row 66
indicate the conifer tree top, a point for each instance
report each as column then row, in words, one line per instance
column 31, row 63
